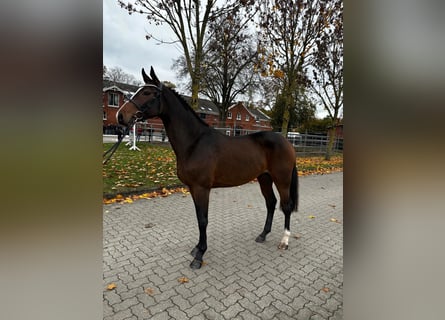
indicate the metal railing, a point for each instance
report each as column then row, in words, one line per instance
column 314, row 144
column 304, row 144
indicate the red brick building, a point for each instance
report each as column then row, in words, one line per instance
column 241, row 119
column 244, row 119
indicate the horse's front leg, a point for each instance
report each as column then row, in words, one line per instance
column 201, row 200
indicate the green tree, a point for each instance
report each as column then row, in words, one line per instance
column 317, row 126
column 300, row 113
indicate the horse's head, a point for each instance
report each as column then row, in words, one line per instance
column 145, row 102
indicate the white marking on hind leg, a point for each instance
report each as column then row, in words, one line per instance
column 285, row 240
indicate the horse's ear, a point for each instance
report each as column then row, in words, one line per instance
column 144, row 75
column 154, row 77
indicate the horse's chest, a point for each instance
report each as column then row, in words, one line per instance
column 192, row 172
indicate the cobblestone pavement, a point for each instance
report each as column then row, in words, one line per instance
column 147, row 248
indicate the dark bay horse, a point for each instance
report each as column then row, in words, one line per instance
column 208, row 159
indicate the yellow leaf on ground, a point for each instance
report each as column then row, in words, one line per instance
column 149, row 291
column 311, row 217
column 183, row 280
column 111, row 286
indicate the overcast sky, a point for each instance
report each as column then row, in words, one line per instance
column 125, row 46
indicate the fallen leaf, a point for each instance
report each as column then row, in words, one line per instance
column 111, row 286
column 149, row 291
column 332, row 205
column 311, row 217
column 297, row 236
column 335, row 220
column 149, row 225
column 325, row 289
column 183, row 280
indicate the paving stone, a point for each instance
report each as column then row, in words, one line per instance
column 161, row 316
column 231, row 299
column 232, row 311
column 140, row 311
column 197, row 309
column 176, row 313
column 269, row 313
column 246, row 315
column 241, row 279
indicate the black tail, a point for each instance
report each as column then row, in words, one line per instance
column 294, row 189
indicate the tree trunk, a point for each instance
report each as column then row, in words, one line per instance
column 288, row 98
column 286, row 118
column 195, row 90
column 330, row 145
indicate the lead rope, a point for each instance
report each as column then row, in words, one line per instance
column 137, row 116
column 115, row 146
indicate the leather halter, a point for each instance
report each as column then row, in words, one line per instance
column 142, row 109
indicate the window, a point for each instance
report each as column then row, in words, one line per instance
column 229, row 115
column 247, row 117
column 203, row 115
column 104, row 116
column 238, row 116
column 113, row 99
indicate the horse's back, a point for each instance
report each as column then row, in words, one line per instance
column 273, row 141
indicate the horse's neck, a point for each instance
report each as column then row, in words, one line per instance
column 182, row 127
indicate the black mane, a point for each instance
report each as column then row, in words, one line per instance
column 187, row 106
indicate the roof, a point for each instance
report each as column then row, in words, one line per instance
column 257, row 114
column 126, row 89
column 261, row 115
column 122, row 86
column 204, row 105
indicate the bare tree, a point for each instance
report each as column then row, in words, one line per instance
column 188, row 19
column 327, row 81
column 288, row 30
column 230, row 60
column 230, row 54
column 116, row 74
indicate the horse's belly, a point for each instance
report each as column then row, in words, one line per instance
column 235, row 175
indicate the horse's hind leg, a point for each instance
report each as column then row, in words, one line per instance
column 286, row 207
column 265, row 181
column 289, row 201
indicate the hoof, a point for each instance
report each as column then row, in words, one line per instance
column 260, row 239
column 196, row 264
column 283, row 246
column 194, row 252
